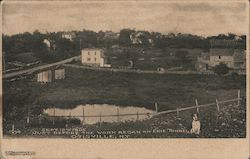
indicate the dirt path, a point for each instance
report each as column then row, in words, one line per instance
column 32, row 70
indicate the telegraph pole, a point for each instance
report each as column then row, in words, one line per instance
column 80, row 44
column 3, row 61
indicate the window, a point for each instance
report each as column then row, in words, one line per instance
column 88, row 53
column 95, row 59
column 88, row 59
column 219, row 57
column 95, row 53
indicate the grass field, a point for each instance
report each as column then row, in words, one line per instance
column 123, row 89
column 93, row 87
column 151, row 59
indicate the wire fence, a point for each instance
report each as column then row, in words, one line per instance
column 117, row 117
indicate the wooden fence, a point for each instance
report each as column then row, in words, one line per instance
column 197, row 106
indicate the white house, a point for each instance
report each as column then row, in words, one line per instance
column 94, row 57
column 69, row 35
column 47, row 42
column 60, row 73
column 50, row 44
column 45, row 76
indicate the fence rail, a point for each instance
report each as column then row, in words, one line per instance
column 154, row 113
column 110, row 115
column 198, row 106
column 137, row 114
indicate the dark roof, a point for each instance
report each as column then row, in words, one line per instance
column 221, row 52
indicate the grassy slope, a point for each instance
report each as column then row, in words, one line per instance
column 85, row 86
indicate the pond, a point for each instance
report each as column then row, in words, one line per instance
column 102, row 113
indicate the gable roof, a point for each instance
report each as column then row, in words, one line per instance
column 221, row 52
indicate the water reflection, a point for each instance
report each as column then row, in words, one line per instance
column 102, row 113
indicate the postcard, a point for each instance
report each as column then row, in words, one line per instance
column 125, row 79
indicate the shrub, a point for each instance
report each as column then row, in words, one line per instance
column 221, row 69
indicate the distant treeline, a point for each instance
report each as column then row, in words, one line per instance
column 33, row 42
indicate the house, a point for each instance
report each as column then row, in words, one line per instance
column 239, row 59
column 219, row 55
column 69, row 35
column 51, row 75
column 140, row 38
column 45, row 76
column 202, row 63
column 94, row 57
column 60, row 73
column 233, row 58
column 47, row 43
column 50, row 44
column 111, row 35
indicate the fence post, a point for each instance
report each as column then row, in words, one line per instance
column 28, row 117
column 197, row 106
column 40, row 119
column 156, row 107
column 54, row 114
column 238, row 97
column 118, row 115
column 100, row 118
column 137, row 116
column 178, row 113
column 217, row 104
column 13, row 128
column 83, row 117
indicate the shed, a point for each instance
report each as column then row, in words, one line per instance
column 45, row 76
column 60, row 73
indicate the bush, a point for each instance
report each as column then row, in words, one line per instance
column 221, row 69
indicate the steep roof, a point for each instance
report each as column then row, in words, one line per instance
column 221, row 52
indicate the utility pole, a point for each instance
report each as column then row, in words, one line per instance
column 4, row 62
column 80, row 44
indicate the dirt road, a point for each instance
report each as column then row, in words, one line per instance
column 32, row 70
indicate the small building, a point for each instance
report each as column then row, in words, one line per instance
column 47, row 43
column 233, row 58
column 94, row 57
column 69, row 35
column 60, row 73
column 45, row 76
column 239, row 59
column 51, row 75
column 50, row 44
column 160, row 70
column 219, row 55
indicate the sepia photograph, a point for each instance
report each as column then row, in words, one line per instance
column 124, row 70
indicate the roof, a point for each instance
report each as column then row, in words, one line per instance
column 221, row 52
column 91, row 49
column 239, row 55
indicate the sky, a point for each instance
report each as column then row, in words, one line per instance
column 200, row 18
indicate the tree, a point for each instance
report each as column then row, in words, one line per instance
column 221, row 69
column 124, row 38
